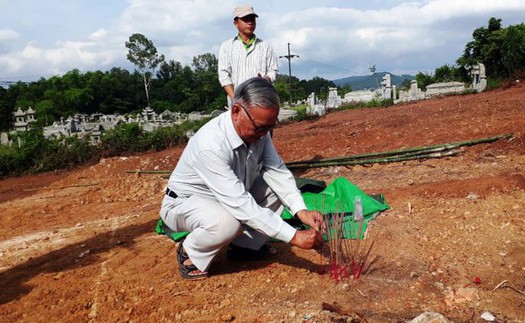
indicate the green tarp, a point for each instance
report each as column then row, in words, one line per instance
column 336, row 198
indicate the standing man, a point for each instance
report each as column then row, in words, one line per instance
column 245, row 56
column 230, row 187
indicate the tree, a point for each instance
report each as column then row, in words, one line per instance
column 512, row 49
column 208, row 88
column 423, row 80
column 6, row 111
column 168, row 70
column 499, row 49
column 144, row 55
column 205, row 63
column 447, row 73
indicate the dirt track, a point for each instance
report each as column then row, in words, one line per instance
column 80, row 245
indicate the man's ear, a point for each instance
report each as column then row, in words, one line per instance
column 235, row 109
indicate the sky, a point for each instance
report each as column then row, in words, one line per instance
column 331, row 39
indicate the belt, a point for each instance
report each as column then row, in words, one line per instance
column 170, row 193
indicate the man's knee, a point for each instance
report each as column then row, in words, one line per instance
column 227, row 227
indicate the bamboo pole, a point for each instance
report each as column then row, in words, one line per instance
column 414, row 150
column 59, row 187
column 138, row 171
column 377, row 160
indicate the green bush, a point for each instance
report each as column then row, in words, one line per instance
column 164, row 138
column 38, row 154
column 124, row 138
column 493, row 83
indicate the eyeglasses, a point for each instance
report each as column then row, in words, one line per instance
column 256, row 128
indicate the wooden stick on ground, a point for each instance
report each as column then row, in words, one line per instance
column 507, row 284
column 59, row 187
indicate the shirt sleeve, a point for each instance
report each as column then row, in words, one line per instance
column 280, row 179
column 224, row 69
column 273, row 66
column 216, row 172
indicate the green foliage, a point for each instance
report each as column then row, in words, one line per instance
column 374, row 103
column 317, row 85
column 125, row 137
column 500, row 49
column 37, row 154
column 6, row 111
column 168, row 70
column 129, row 138
column 301, row 89
column 423, row 80
column 447, row 73
column 302, row 115
column 494, row 83
column 164, row 138
column 347, row 88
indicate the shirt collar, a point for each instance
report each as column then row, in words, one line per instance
column 231, row 135
column 249, row 44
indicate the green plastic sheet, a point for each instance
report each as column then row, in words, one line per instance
column 336, row 198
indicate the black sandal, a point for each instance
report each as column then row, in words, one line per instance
column 188, row 271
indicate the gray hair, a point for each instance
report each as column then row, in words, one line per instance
column 257, row 91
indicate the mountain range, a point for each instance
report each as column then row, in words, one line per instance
column 372, row 81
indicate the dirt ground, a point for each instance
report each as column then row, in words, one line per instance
column 80, row 245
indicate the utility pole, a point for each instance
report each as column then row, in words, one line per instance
column 372, row 69
column 289, row 58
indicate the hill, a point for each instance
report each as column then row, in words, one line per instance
column 371, row 81
column 80, row 245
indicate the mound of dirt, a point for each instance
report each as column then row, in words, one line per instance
column 80, row 245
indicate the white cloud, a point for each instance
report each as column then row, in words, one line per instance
column 99, row 34
column 332, row 38
column 8, row 34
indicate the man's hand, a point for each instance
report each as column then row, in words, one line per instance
column 266, row 76
column 307, row 239
column 313, row 219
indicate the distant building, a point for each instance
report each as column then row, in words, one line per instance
column 93, row 126
column 23, row 119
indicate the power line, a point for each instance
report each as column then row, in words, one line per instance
column 13, row 82
column 340, row 69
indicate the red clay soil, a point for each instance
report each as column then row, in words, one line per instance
column 80, row 245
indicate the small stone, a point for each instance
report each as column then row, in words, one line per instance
column 429, row 317
column 487, row 316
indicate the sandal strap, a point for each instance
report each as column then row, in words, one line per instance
column 185, row 270
column 182, row 256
